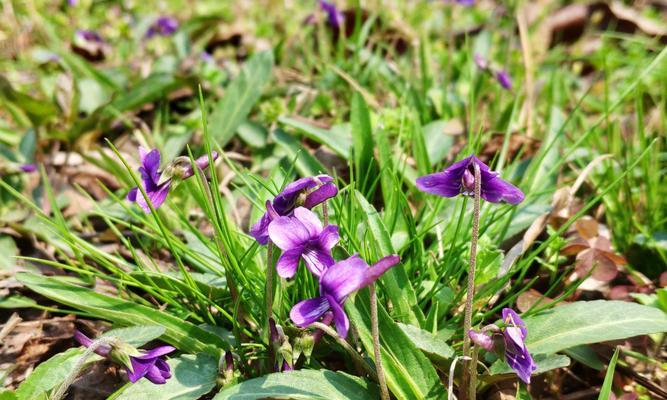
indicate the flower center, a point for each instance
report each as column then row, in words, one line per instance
column 468, row 182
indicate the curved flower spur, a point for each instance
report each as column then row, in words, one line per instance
column 157, row 183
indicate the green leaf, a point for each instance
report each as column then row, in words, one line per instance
column 586, row 322
column 240, row 96
column 302, row 385
column 410, row 375
column 137, row 335
column 192, row 377
column 585, row 355
column 432, row 345
column 17, row 301
column 182, row 334
column 333, row 138
column 402, row 295
column 145, row 91
column 605, row 391
column 254, row 134
column 8, row 250
column 544, row 363
column 306, row 164
column 53, row 371
column 362, row 140
column 438, row 141
column 7, row 395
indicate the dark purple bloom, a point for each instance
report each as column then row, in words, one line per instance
column 157, row 184
column 504, row 79
column 89, row 36
column 466, row 3
column 510, row 341
column 307, row 192
column 163, row 26
column 338, row 282
column 335, row 17
column 459, row 178
column 149, row 364
column 28, row 168
column 302, row 236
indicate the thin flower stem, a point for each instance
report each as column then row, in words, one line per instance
column 269, row 285
column 473, row 372
column 80, row 363
column 470, row 294
column 358, row 360
column 375, row 332
column 325, row 213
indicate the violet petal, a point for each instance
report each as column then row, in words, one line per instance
column 308, row 311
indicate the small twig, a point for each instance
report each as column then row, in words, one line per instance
column 358, row 360
column 9, row 326
column 375, row 332
column 467, row 321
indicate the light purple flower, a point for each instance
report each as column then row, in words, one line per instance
column 307, row 192
column 302, row 236
column 335, row 17
column 89, row 36
column 459, row 178
column 336, row 284
column 163, row 26
column 149, row 364
column 28, row 168
column 156, row 184
column 481, row 62
column 509, row 340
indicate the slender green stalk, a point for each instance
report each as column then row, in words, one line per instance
column 467, row 321
column 80, row 363
column 375, row 332
column 269, row 285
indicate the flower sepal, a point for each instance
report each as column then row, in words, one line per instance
column 121, row 353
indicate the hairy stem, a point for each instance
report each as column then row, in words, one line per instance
column 473, row 373
column 325, row 213
column 375, row 332
column 470, row 294
column 80, row 363
column 358, row 360
column 269, row 286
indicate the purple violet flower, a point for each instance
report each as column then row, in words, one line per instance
column 516, row 352
column 149, row 364
column 302, row 236
column 163, row 26
column 504, row 79
column 335, row 17
column 89, row 36
column 336, row 284
column 156, row 183
column 510, row 341
column 28, row 168
column 307, row 192
column 459, row 178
